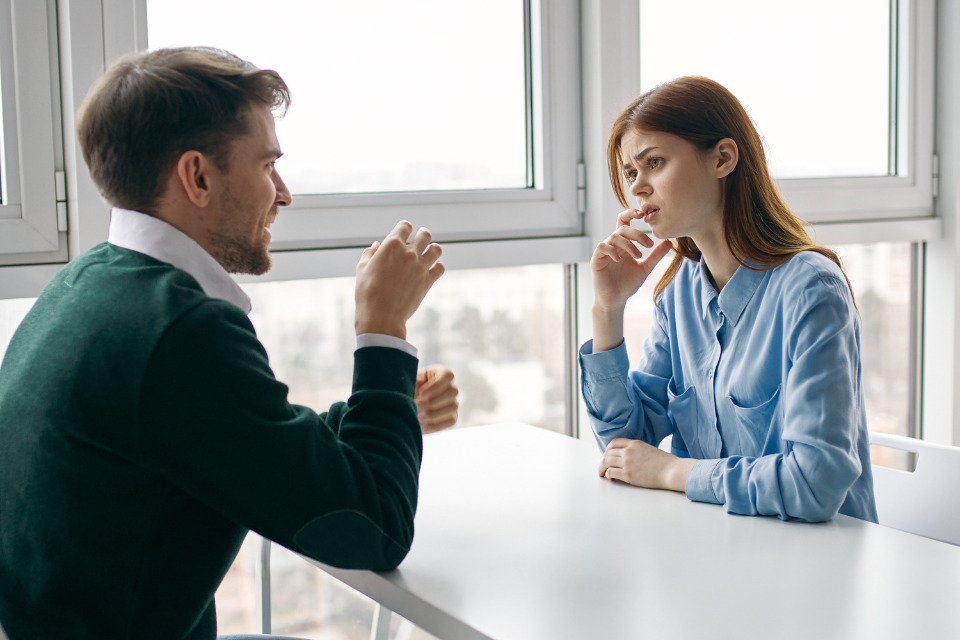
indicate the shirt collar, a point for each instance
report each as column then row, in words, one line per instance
column 153, row 237
column 736, row 294
column 707, row 292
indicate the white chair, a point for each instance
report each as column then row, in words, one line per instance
column 925, row 501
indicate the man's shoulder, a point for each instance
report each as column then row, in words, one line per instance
column 127, row 290
column 108, row 270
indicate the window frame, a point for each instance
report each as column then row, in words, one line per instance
column 838, row 210
column 605, row 60
column 548, row 210
column 32, row 216
column 824, row 201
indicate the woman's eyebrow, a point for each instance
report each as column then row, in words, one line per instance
column 643, row 154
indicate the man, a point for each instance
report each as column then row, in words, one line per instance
column 142, row 432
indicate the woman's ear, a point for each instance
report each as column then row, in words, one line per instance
column 727, row 155
column 194, row 172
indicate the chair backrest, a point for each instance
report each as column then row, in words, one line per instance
column 925, row 501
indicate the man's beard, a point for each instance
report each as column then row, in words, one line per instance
column 239, row 255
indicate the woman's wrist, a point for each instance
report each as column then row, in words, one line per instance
column 607, row 328
column 676, row 474
column 610, row 310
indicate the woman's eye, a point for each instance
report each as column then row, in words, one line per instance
column 655, row 162
column 630, row 176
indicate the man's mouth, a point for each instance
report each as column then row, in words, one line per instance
column 266, row 228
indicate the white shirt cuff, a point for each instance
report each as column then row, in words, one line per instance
column 380, row 340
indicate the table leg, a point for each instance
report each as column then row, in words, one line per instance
column 380, row 629
column 262, row 575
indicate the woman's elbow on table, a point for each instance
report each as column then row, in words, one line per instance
column 819, row 487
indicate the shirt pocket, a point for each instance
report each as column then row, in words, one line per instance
column 685, row 416
column 756, row 425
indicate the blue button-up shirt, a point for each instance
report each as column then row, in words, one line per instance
column 761, row 383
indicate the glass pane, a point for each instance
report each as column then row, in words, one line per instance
column 12, row 313
column 3, row 159
column 881, row 278
column 381, row 89
column 820, row 99
column 881, row 281
column 499, row 330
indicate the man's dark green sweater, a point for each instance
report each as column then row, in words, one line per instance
column 142, row 433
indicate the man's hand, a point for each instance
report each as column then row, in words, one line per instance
column 392, row 279
column 638, row 463
column 436, row 398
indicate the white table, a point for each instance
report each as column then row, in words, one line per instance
column 518, row 538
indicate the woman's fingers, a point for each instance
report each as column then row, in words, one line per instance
column 623, row 226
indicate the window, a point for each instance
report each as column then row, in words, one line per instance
column 848, row 122
column 869, row 192
column 819, row 123
column 367, row 120
column 12, row 313
column 29, row 229
column 499, row 330
column 883, row 277
column 488, row 152
column 3, row 159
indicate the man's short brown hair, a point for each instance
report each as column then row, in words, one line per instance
column 151, row 107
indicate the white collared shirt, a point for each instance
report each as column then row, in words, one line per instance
column 153, row 237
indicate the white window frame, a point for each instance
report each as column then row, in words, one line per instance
column 839, row 210
column 31, row 218
column 542, row 223
column 593, row 43
column 848, row 210
column 941, row 306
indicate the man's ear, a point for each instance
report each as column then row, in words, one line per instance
column 195, row 173
column 727, row 155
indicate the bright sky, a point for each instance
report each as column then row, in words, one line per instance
column 428, row 94
column 814, row 75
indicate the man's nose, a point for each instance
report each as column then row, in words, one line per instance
column 283, row 194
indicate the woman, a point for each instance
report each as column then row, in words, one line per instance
column 753, row 360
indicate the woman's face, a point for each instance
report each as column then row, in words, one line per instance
column 676, row 185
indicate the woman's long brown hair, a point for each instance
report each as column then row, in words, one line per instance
column 757, row 224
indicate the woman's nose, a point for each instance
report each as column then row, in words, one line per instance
column 639, row 187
